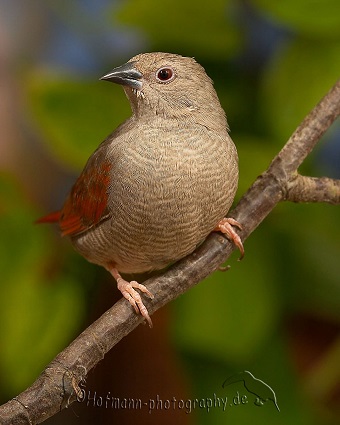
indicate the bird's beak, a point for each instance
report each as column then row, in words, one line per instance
column 126, row 75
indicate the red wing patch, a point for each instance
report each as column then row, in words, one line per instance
column 87, row 202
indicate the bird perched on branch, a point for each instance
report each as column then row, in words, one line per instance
column 161, row 182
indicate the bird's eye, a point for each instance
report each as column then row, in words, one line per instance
column 164, row 75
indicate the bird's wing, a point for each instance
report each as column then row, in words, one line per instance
column 86, row 205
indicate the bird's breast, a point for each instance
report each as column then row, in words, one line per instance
column 168, row 190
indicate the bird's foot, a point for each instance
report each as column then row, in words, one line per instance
column 225, row 226
column 128, row 291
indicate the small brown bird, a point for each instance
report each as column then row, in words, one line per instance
column 161, row 182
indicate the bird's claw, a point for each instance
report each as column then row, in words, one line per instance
column 129, row 293
column 225, row 226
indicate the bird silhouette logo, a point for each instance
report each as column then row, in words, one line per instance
column 260, row 389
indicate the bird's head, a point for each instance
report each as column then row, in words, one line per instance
column 169, row 86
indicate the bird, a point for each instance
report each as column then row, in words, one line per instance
column 161, row 182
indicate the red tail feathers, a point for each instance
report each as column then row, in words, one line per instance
column 50, row 218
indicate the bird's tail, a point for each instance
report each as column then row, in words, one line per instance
column 53, row 217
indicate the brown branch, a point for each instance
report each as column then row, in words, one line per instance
column 55, row 388
column 313, row 189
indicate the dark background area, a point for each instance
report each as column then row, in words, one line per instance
column 275, row 314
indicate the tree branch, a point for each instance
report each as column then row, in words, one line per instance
column 57, row 386
column 313, row 189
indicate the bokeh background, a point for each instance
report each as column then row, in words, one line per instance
column 277, row 313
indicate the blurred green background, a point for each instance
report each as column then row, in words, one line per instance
column 277, row 313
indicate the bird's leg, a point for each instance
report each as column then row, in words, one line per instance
column 128, row 292
column 225, row 226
